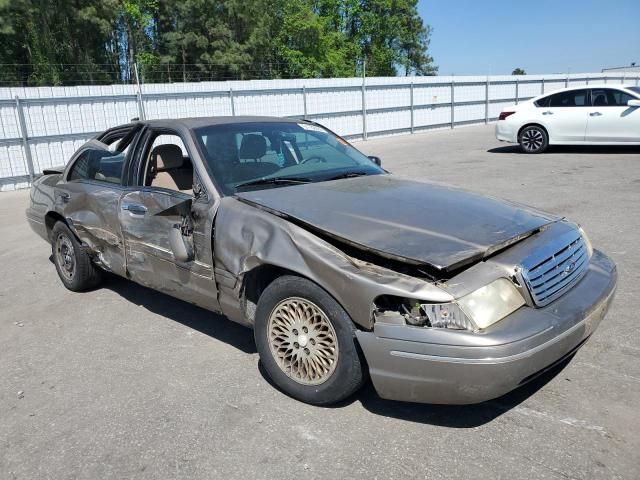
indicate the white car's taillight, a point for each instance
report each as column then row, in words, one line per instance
column 504, row 115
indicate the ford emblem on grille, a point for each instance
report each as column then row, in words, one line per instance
column 555, row 268
column 569, row 268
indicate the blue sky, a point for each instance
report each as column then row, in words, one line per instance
column 492, row 37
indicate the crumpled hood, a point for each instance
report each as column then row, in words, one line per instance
column 421, row 223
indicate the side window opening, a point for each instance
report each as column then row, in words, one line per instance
column 98, row 164
column 167, row 164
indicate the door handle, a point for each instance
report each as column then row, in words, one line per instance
column 547, row 113
column 134, row 208
column 595, row 114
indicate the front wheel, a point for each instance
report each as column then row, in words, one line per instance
column 306, row 342
column 533, row 139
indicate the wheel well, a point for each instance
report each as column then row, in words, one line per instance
column 255, row 282
column 532, row 125
column 50, row 220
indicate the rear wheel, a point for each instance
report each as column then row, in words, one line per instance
column 306, row 342
column 74, row 266
column 533, row 139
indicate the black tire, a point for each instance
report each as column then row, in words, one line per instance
column 73, row 264
column 349, row 371
column 533, row 139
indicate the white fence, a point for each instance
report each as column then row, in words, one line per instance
column 41, row 127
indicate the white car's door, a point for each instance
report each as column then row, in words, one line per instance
column 564, row 114
column 611, row 119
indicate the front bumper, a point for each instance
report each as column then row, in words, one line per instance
column 409, row 363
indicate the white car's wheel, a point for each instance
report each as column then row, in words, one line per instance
column 533, row 139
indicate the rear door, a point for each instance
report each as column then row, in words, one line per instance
column 155, row 205
column 88, row 198
column 564, row 115
column 610, row 119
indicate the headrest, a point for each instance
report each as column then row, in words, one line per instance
column 600, row 101
column 253, row 146
column 222, row 147
column 168, row 156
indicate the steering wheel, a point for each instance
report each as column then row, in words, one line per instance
column 317, row 158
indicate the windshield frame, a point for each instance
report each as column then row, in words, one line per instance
column 224, row 190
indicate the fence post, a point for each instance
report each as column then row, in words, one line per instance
column 304, row 101
column 517, row 91
column 141, row 112
column 486, row 101
column 587, row 80
column 25, row 138
column 233, row 107
column 411, row 106
column 453, row 115
column 566, row 81
column 542, row 92
column 364, row 110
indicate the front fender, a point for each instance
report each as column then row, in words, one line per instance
column 247, row 237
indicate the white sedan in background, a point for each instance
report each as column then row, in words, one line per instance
column 592, row 115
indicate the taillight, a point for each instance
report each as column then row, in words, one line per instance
column 504, row 115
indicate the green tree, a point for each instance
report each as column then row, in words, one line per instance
column 518, row 71
column 55, row 42
column 308, row 46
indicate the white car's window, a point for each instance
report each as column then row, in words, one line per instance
column 572, row 98
column 609, row 97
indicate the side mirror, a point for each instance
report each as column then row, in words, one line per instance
column 375, row 160
column 633, row 103
column 181, row 251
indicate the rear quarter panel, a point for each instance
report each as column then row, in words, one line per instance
column 41, row 201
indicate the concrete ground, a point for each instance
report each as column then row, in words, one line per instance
column 123, row 382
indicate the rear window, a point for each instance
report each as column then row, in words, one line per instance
column 542, row 102
column 572, row 98
column 97, row 164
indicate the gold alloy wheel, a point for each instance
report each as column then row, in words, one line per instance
column 302, row 341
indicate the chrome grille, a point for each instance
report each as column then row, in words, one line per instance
column 553, row 270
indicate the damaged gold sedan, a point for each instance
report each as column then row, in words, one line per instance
column 343, row 270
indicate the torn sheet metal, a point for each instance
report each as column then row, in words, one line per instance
column 423, row 223
column 247, row 237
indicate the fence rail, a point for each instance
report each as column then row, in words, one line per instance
column 41, row 127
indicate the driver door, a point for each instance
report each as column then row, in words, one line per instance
column 611, row 119
column 148, row 215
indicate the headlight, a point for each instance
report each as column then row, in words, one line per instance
column 491, row 303
column 587, row 242
column 478, row 310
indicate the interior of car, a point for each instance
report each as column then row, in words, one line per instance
column 235, row 164
column 168, row 165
